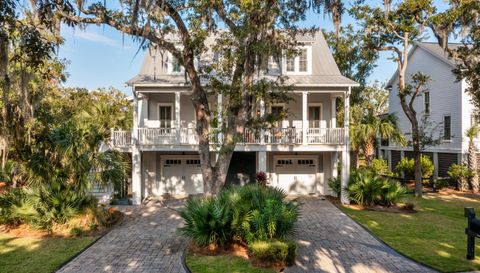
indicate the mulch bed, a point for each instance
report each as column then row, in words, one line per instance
column 237, row 249
column 393, row 209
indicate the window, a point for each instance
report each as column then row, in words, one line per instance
column 165, row 116
column 299, row 62
column 303, row 60
column 305, row 162
column 176, row 67
column 173, row 162
column 291, row 64
column 284, row 162
column 314, row 116
column 447, row 124
column 277, row 114
column 193, row 161
column 426, row 101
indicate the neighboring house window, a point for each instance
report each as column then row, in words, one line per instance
column 303, row 60
column 426, row 101
column 447, row 126
column 176, row 67
column 165, row 116
column 314, row 116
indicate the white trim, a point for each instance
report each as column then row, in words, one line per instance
column 294, row 85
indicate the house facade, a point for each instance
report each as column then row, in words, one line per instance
column 299, row 154
column 444, row 109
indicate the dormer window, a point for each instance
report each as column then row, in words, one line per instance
column 301, row 63
column 174, row 66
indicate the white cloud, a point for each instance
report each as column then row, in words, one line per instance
column 94, row 37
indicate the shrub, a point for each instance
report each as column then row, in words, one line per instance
column 8, row 201
column 441, row 183
column 247, row 213
column 261, row 178
column 335, row 185
column 367, row 188
column 76, row 231
column 380, row 167
column 274, row 251
column 407, row 166
column 461, row 174
column 206, row 221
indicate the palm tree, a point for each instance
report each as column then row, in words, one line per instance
column 364, row 132
column 472, row 133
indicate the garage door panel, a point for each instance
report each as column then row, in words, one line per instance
column 297, row 176
column 182, row 176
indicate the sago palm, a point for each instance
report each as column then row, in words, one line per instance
column 472, row 133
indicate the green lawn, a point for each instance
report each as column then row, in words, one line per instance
column 40, row 255
column 434, row 236
column 222, row 264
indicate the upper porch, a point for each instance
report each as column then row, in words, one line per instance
column 166, row 120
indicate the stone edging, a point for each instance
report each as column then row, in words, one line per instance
column 382, row 241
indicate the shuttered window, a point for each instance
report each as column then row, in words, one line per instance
column 426, row 101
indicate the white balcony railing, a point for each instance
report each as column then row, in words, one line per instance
column 188, row 136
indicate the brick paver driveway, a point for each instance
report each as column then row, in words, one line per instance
column 329, row 241
column 145, row 242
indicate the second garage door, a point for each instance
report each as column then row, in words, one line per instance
column 182, row 175
column 297, row 176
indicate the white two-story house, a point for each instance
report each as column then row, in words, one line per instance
column 445, row 104
column 298, row 155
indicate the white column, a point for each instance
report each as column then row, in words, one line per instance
column 346, row 150
column 435, row 163
column 136, row 155
column 262, row 114
column 389, row 159
column 304, row 116
column 262, row 161
column 220, row 116
column 178, row 122
column 334, row 113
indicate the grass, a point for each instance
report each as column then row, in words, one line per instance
column 40, row 255
column 220, row 264
column 434, row 235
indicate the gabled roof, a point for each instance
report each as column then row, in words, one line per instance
column 435, row 50
column 325, row 71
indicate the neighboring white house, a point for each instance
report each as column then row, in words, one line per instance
column 445, row 102
column 299, row 155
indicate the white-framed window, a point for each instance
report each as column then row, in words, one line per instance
column 165, row 115
column 299, row 63
column 426, row 102
column 447, row 127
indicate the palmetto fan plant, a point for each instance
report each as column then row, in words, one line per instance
column 472, row 133
column 365, row 129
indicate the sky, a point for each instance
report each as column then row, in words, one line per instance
column 101, row 57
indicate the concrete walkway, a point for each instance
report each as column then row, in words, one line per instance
column 145, row 242
column 328, row 240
